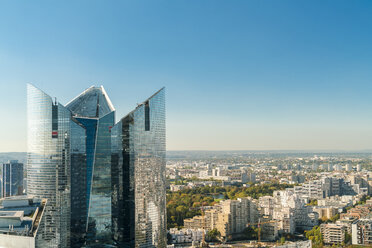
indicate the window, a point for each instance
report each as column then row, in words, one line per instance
column 147, row 116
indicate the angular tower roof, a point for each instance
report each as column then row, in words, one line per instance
column 144, row 102
column 92, row 103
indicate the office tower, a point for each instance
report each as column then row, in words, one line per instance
column 71, row 163
column 11, row 178
column 94, row 110
column 138, row 176
column 78, row 184
column 49, row 163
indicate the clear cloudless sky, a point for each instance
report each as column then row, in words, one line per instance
column 239, row 75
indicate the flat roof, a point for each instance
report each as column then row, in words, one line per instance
column 11, row 214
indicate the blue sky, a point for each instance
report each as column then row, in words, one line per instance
column 246, row 75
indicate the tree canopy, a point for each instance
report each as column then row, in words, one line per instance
column 186, row 203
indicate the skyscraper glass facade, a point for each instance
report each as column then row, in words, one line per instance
column 99, row 215
column 48, row 160
column 105, row 183
column 79, row 213
column 138, row 166
column 94, row 110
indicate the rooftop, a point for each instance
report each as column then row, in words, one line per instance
column 11, row 214
column 91, row 103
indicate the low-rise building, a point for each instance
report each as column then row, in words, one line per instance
column 326, row 212
column 357, row 212
column 196, row 222
column 333, row 233
column 298, row 244
column 21, row 222
column 186, row 235
column 174, row 187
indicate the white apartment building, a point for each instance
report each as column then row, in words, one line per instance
column 186, row 235
column 333, row 233
column 310, row 190
column 289, row 211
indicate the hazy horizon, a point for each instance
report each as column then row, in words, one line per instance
column 273, row 150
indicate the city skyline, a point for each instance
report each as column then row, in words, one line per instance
column 247, row 75
column 166, row 124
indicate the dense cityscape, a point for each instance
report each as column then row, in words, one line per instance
column 279, row 199
column 186, row 124
column 240, row 199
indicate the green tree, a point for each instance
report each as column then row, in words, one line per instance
column 213, row 235
column 313, row 202
column 251, row 233
column 315, row 236
column 334, row 218
column 347, row 238
column 192, row 199
column 282, row 240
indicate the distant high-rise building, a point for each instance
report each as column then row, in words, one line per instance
column 252, row 177
column 332, row 186
column 11, row 178
column 138, row 176
column 105, row 183
column 216, row 172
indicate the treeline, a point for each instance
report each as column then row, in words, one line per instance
column 186, row 203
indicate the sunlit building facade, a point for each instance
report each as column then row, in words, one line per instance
column 138, row 176
column 94, row 110
column 49, row 164
column 105, row 183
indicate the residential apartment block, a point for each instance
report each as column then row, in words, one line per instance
column 333, row 233
column 229, row 217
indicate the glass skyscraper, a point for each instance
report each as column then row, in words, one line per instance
column 138, row 176
column 49, row 163
column 105, row 183
column 94, row 110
